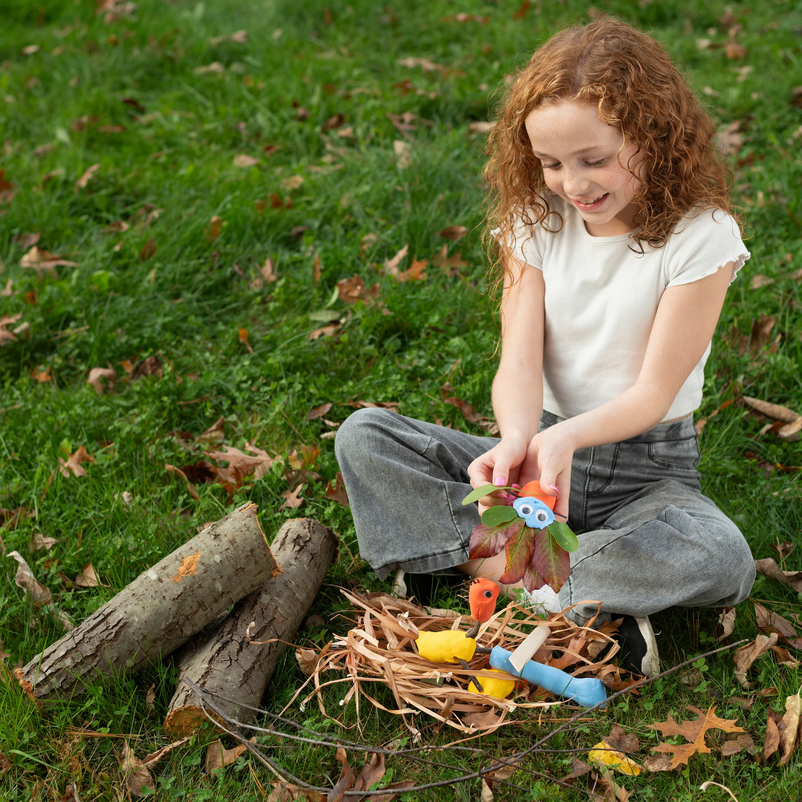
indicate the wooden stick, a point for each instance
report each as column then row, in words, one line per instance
column 226, row 661
column 159, row 611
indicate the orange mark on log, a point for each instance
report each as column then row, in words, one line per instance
column 188, row 567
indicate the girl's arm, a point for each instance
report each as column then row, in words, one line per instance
column 683, row 326
column 518, row 385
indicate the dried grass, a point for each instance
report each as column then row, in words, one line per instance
column 380, row 648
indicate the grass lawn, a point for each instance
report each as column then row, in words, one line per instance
column 219, row 209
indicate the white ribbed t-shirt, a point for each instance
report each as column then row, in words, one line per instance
column 601, row 300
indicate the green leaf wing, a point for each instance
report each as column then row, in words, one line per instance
column 563, row 535
column 498, row 515
column 480, row 492
column 487, row 541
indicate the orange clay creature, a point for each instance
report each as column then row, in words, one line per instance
column 482, row 596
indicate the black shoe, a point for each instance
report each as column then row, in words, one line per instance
column 638, row 646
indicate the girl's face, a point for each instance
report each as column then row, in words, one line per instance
column 580, row 156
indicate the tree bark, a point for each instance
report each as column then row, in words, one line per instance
column 225, row 662
column 160, row 610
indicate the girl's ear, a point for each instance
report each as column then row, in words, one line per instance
column 534, row 489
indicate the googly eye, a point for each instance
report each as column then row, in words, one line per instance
column 526, row 509
column 488, row 594
column 541, row 516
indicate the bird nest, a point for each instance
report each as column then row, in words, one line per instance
column 380, row 648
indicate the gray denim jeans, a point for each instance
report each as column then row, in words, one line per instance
column 650, row 539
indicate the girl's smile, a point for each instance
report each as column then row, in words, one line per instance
column 582, row 160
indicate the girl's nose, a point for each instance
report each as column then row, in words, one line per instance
column 574, row 184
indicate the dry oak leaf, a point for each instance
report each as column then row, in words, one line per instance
column 190, row 487
column 95, row 376
column 307, row 661
column 25, row 579
column 746, row 655
column 391, row 265
column 7, row 336
column 217, row 756
column 351, row 290
column 243, row 160
column 214, row 434
column 292, row 498
column 258, row 463
column 416, row 272
column 7, row 292
column 214, row 229
column 789, row 732
column 136, row 774
column 86, row 177
column 693, row 731
column 74, row 463
column 40, row 541
column 27, row 239
column 88, row 578
column 149, row 250
column 771, row 741
column 737, row 744
column 726, row 623
column 288, row 792
column 41, row 261
column 768, row 622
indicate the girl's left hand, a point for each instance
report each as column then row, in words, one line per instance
column 552, row 450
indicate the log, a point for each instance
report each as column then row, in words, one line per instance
column 159, row 611
column 226, row 662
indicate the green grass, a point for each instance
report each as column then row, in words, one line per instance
column 188, row 301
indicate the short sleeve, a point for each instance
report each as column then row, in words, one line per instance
column 702, row 244
column 524, row 243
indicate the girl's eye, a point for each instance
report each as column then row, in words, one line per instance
column 550, row 166
column 599, row 163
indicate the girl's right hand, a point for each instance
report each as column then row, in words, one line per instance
column 500, row 466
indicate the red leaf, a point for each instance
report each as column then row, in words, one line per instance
column 489, row 541
column 550, row 560
column 519, row 551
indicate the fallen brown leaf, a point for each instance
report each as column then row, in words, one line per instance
column 734, row 745
column 217, row 756
column 135, row 773
column 87, row 578
column 307, row 660
column 346, row 781
column 403, row 153
column 26, row 240
column 96, row 375
column 258, row 463
column 214, row 229
column 242, row 336
column 453, row 233
column 74, row 463
column 726, row 623
column 7, row 292
column 391, row 265
column 693, row 731
column 190, row 487
column 789, row 732
column 214, row 434
column 86, row 177
column 43, row 261
column 336, row 492
column 771, row 741
column 416, row 271
column 746, row 656
column 292, row 498
column 318, row 412
column 39, row 542
column 243, row 160
column 7, row 336
column 769, row 622
column 149, row 250
column 351, row 290
column 38, row 593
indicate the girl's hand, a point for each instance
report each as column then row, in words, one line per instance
column 551, row 453
column 499, row 466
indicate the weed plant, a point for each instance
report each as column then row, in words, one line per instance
column 164, row 112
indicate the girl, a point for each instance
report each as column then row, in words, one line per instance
column 610, row 211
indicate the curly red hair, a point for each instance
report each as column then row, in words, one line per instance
column 634, row 85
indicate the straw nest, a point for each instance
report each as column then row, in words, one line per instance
column 381, row 649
